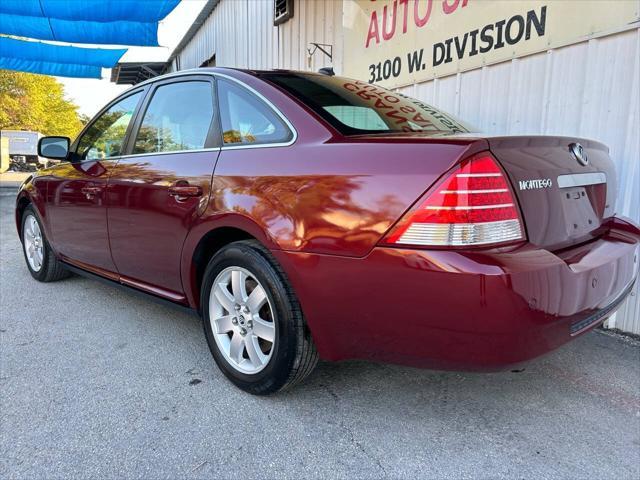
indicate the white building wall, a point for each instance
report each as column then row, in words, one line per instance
column 589, row 89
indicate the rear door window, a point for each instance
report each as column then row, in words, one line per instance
column 246, row 119
column 179, row 117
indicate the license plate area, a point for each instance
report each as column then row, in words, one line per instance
column 582, row 209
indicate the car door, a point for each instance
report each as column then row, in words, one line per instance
column 160, row 188
column 76, row 201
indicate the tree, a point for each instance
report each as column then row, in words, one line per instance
column 37, row 103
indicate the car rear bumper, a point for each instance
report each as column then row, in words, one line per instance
column 462, row 310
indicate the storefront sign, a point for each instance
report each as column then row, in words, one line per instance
column 398, row 42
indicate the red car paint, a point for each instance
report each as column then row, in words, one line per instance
column 323, row 206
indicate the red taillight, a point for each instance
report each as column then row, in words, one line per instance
column 474, row 205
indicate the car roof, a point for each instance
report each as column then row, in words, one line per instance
column 222, row 70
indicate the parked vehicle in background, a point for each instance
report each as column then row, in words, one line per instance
column 23, row 150
column 4, row 154
column 306, row 215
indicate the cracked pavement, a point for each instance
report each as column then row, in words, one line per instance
column 97, row 382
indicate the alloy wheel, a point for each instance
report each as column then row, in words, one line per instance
column 33, row 243
column 242, row 320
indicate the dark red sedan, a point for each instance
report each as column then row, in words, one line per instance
column 306, row 215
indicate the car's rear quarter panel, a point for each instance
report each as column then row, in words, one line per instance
column 331, row 198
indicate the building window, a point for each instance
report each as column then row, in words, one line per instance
column 282, row 11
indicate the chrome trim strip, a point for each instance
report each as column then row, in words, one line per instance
column 475, row 175
column 490, row 190
column 476, row 207
column 581, row 179
column 260, row 145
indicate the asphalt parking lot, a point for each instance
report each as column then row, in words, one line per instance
column 96, row 382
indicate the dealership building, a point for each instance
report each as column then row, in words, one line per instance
column 507, row 67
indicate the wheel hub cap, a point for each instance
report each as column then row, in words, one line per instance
column 242, row 320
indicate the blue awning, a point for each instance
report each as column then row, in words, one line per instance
column 59, row 60
column 147, row 11
column 38, row 51
column 51, row 68
column 81, row 31
column 122, row 22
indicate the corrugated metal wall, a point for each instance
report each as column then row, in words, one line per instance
column 589, row 89
column 241, row 34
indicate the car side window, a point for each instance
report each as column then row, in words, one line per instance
column 246, row 119
column 178, row 117
column 105, row 136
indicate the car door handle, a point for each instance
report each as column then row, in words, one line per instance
column 185, row 191
column 91, row 191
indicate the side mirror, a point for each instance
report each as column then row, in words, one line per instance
column 54, row 147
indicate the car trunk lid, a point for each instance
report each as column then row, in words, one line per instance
column 565, row 186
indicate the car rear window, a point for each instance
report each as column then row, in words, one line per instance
column 355, row 107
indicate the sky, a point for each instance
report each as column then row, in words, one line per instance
column 92, row 94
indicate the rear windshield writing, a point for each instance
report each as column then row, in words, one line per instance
column 409, row 114
column 353, row 106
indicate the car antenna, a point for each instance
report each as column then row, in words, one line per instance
column 327, row 71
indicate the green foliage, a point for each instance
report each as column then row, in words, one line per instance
column 37, row 103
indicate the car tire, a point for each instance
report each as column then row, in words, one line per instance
column 254, row 363
column 41, row 261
